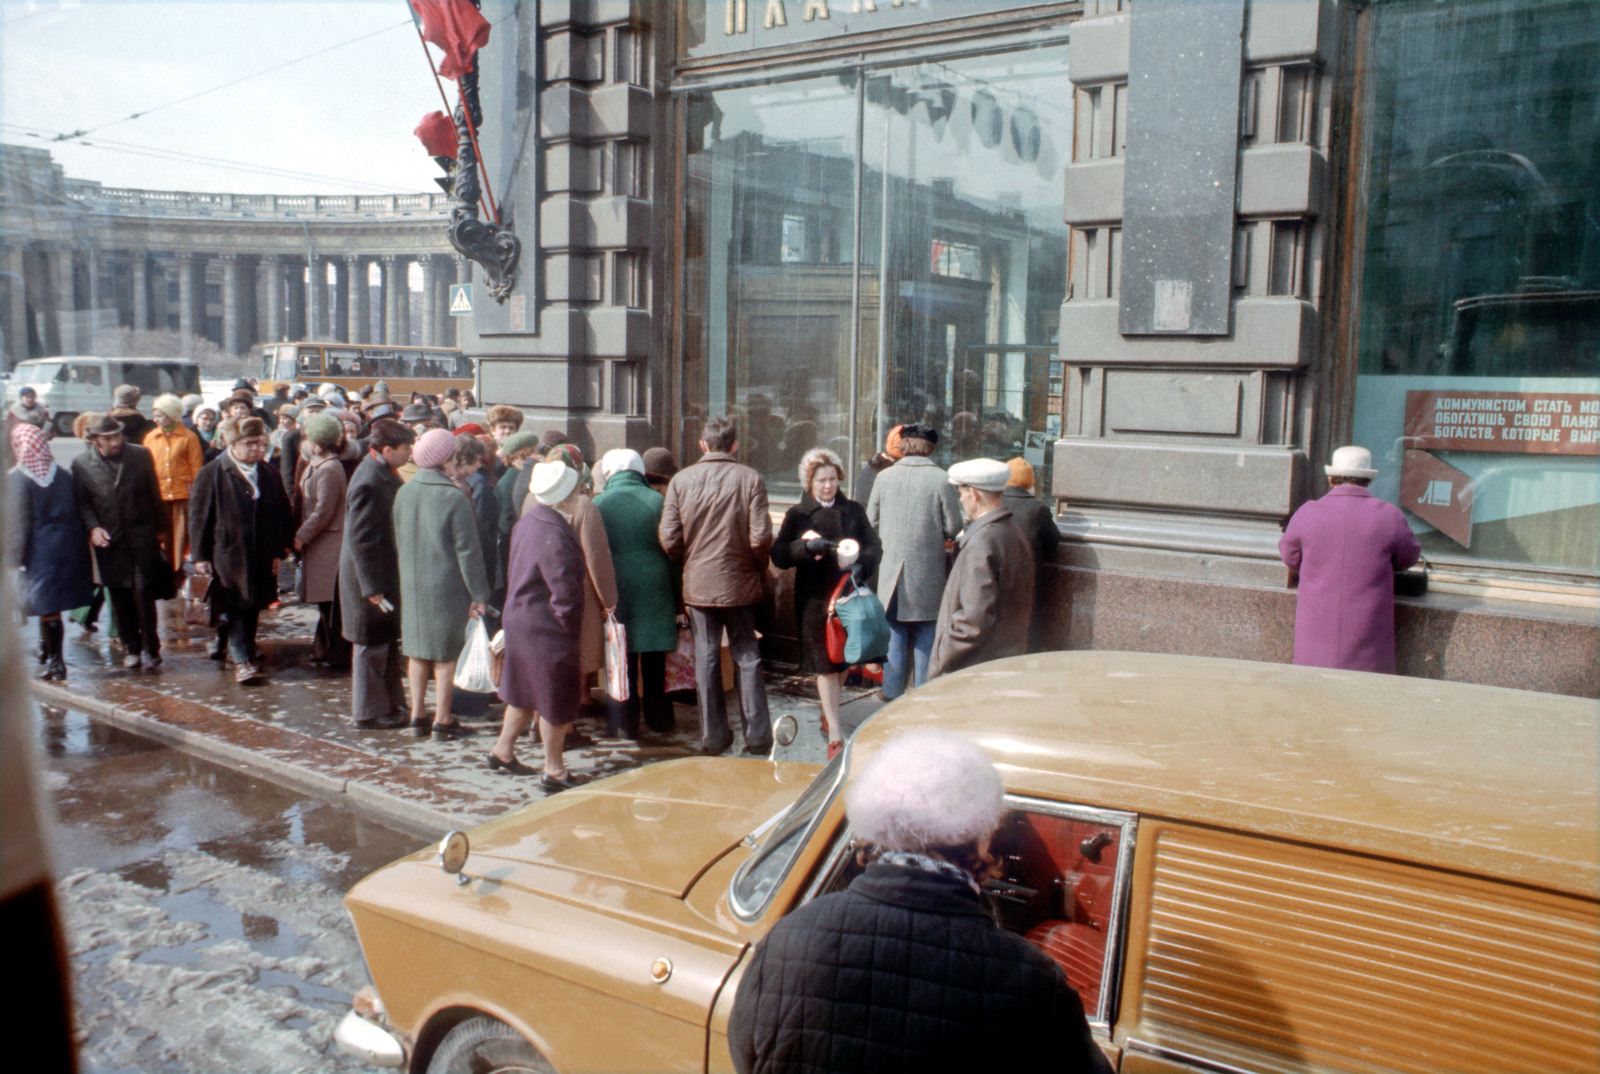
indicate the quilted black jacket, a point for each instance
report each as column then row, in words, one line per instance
column 904, row 971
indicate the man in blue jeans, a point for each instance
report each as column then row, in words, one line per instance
column 915, row 510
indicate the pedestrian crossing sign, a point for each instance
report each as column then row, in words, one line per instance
column 460, row 299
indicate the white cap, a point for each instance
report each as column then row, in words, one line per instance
column 552, row 482
column 1351, row 461
column 621, row 459
column 990, row 475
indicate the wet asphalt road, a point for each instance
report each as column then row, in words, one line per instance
column 202, row 907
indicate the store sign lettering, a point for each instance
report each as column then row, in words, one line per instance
column 777, row 12
column 1537, row 423
column 724, row 26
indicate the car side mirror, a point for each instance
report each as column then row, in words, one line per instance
column 453, row 851
column 784, row 732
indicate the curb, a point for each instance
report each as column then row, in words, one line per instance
column 390, row 809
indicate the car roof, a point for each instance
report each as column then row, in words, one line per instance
column 1478, row 779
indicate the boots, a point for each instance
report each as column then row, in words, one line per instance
column 44, row 646
column 50, row 636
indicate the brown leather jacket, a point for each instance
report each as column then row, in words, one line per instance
column 715, row 523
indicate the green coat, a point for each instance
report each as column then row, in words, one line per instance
column 647, row 581
column 441, row 565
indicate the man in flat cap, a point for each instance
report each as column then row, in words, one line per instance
column 988, row 598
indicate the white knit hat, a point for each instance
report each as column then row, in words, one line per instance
column 926, row 789
column 552, row 482
column 1351, row 461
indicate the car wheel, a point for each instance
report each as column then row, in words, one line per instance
column 483, row 1045
column 64, row 424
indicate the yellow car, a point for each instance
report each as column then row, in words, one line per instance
column 1240, row 867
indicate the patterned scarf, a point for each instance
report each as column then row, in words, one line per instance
column 912, row 860
column 34, row 457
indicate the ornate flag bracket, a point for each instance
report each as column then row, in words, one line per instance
column 489, row 243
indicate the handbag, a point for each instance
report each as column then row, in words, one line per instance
column 1413, row 581
column 857, row 626
column 616, row 659
column 680, row 663
column 195, row 591
column 472, row 668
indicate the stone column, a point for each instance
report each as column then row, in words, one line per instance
column 141, row 290
column 190, row 325
column 296, row 325
column 430, row 312
column 160, row 305
column 66, row 302
column 16, row 307
column 272, row 268
column 232, row 306
column 339, row 322
column 360, row 306
column 402, row 276
column 391, row 299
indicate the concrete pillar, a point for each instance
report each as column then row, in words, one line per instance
column 295, row 278
column 392, row 289
column 160, row 311
column 430, row 312
column 65, row 301
column 272, row 269
column 15, row 284
column 359, row 328
column 140, row 273
column 189, row 325
column 402, row 275
column 233, row 341
column 339, row 322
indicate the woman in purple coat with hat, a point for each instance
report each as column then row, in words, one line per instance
column 543, row 621
column 1346, row 548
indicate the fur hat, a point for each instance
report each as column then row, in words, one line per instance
column 434, row 449
column 500, row 412
column 990, row 475
column 923, row 790
column 249, row 427
column 552, row 482
column 814, row 460
column 170, row 405
column 125, row 395
column 618, row 459
column 242, row 395
column 324, row 429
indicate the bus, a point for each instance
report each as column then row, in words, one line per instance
column 431, row 370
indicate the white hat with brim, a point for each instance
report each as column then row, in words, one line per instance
column 1350, row 461
column 990, row 475
column 552, row 482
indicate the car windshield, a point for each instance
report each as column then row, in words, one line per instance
column 37, row 372
column 756, row 880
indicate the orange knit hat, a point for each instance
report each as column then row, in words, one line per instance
column 891, row 444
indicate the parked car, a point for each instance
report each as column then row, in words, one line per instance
column 1240, row 866
column 70, row 384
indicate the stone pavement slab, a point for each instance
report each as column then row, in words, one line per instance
column 294, row 728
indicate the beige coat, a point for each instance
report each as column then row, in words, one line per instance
column 601, row 592
column 321, row 532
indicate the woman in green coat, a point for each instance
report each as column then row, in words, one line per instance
column 647, row 592
column 443, row 582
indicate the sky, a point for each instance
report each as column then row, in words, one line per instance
column 336, row 123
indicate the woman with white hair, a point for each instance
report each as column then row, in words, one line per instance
column 543, row 619
column 906, row 968
column 648, row 584
column 811, row 541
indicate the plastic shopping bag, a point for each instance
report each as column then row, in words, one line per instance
column 472, row 668
column 616, row 659
column 680, row 662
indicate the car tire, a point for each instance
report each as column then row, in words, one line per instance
column 484, row 1045
column 63, row 423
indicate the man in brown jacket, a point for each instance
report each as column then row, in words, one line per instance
column 988, row 598
column 715, row 523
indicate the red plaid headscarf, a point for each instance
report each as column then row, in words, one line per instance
column 32, row 450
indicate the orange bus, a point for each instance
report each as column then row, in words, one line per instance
column 351, row 365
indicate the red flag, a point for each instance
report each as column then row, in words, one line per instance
column 457, row 28
column 438, row 134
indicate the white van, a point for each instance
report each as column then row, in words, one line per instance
column 71, row 384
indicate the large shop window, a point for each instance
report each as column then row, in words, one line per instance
column 912, row 213
column 1479, row 376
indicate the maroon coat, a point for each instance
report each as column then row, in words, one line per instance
column 543, row 619
column 1347, row 547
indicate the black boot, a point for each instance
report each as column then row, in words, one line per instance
column 44, row 644
column 53, row 632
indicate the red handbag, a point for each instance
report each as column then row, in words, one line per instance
column 834, row 631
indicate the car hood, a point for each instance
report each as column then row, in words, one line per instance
column 657, row 827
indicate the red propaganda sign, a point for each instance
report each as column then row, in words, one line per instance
column 1536, row 423
column 1439, row 494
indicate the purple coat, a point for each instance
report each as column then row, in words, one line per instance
column 1347, row 547
column 545, row 585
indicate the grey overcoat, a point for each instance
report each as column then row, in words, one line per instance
column 989, row 598
column 441, row 565
column 322, row 504
column 914, row 510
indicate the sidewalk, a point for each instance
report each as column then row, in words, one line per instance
column 294, row 728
